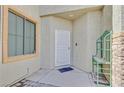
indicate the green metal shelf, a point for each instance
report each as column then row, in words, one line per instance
column 103, row 58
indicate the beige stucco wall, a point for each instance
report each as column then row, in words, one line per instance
column 45, row 43
column 107, row 18
column 16, row 70
column 49, row 25
column 86, row 30
column 79, row 37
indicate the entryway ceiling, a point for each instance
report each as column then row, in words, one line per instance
column 72, row 15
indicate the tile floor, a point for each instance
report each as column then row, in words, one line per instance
column 54, row 78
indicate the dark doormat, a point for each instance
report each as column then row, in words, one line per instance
column 66, row 69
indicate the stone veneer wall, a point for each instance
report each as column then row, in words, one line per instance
column 118, row 59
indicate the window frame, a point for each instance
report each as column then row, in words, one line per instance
column 6, row 57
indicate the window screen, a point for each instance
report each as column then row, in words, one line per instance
column 21, row 36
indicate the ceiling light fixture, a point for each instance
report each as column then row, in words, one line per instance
column 71, row 15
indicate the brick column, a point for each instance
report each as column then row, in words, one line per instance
column 118, row 59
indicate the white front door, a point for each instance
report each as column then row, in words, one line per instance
column 62, row 48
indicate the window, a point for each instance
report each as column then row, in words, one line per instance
column 19, row 37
